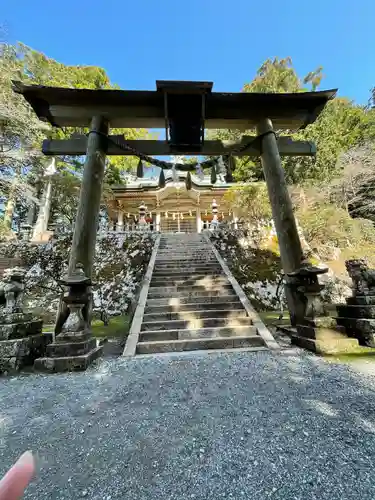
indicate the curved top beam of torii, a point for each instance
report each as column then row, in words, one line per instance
column 146, row 109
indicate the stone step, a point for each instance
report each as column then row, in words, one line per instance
column 180, row 241
column 211, row 277
column 200, row 300
column 201, row 333
column 181, row 308
column 179, row 245
column 207, row 252
column 168, row 290
column 196, row 323
column 184, row 251
column 174, row 246
column 187, row 266
column 196, row 269
column 362, row 329
column 192, row 315
column 187, row 248
column 183, row 274
column 207, row 282
column 199, row 344
column 186, row 263
column 213, row 274
column 177, row 262
column 186, row 258
column 203, row 270
column 185, row 254
column 356, row 311
column 189, row 270
column 162, row 293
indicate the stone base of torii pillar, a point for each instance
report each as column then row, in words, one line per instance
column 74, row 348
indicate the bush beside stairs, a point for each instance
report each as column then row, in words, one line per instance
column 191, row 304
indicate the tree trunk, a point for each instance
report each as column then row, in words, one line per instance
column 9, row 208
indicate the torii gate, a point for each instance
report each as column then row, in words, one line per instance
column 185, row 109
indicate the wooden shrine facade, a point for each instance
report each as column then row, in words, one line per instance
column 171, row 208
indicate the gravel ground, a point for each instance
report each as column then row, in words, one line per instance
column 239, row 425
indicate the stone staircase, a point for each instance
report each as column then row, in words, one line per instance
column 191, row 304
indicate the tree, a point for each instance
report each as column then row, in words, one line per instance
column 354, row 188
column 274, row 75
column 22, row 162
column 278, row 75
column 339, row 127
column 251, row 201
column 372, row 98
column 20, row 131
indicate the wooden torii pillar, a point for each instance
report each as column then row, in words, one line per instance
column 85, row 229
column 282, row 212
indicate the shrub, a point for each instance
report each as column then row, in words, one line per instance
column 119, row 266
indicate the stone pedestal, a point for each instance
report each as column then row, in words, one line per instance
column 71, row 351
column 317, row 331
column 21, row 337
column 323, row 337
column 74, row 348
column 357, row 316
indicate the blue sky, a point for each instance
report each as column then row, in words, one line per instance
column 138, row 42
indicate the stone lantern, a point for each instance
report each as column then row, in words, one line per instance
column 215, row 220
column 142, row 224
column 74, row 347
column 315, row 329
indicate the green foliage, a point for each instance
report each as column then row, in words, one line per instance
column 250, row 200
column 118, row 327
column 325, row 224
column 278, row 75
column 112, row 175
column 275, row 75
column 354, row 187
column 65, row 198
column 340, row 126
column 39, row 69
column 24, row 132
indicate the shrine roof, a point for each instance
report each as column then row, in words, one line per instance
column 146, row 108
column 152, row 184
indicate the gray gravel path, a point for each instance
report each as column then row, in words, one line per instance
column 240, row 425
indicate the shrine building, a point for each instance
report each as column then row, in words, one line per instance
column 173, row 207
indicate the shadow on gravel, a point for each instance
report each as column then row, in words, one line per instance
column 231, row 425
